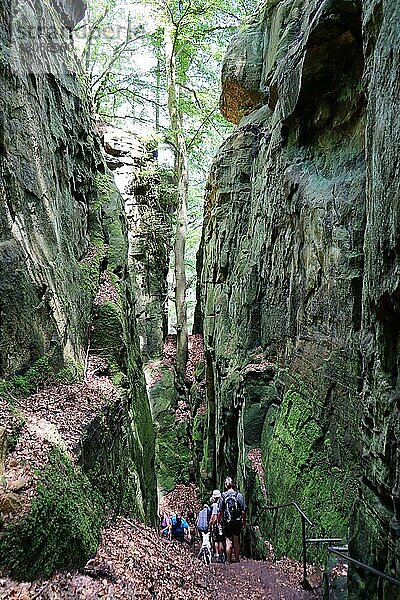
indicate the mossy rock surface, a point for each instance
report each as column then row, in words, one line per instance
column 108, row 335
column 172, row 435
column 63, row 527
column 299, row 463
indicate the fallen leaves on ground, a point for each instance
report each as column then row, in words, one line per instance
column 133, row 562
column 255, row 457
column 184, row 498
column 195, row 355
column 57, row 415
column 107, row 291
column 169, row 352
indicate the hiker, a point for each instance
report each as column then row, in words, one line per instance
column 203, row 519
column 165, row 522
column 216, row 528
column 191, row 517
column 177, row 528
column 233, row 510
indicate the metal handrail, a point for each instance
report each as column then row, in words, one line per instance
column 305, row 583
column 339, row 551
column 299, row 510
column 363, row 565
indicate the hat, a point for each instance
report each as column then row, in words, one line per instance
column 217, row 494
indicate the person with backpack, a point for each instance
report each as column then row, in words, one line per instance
column 216, row 528
column 203, row 524
column 232, row 507
column 203, row 519
column 177, row 528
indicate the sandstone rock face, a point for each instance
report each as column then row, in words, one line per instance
column 71, row 11
column 66, row 291
column 49, row 157
column 149, row 233
column 376, row 530
column 293, row 208
column 299, row 278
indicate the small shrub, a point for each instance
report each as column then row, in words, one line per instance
column 27, row 383
column 71, row 373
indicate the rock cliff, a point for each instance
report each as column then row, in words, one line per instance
column 376, row 527
column 67, row 308
column 297, row 302
column 148, row 208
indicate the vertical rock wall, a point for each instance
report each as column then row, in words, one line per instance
column 280, row 285
column 49, row 157
column 66, row 291
column 288, row 286
column 148, row 211
column 376, row 527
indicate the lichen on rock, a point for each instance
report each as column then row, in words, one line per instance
column 282, row 263
column 67, row 308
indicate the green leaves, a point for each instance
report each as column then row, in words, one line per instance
column 154, row 65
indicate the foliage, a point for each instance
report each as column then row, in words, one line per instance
column 15, row 429
column 70, row 373
column 109, row 40
column 63, row 527
column 40, row 373
column 127, row 68
column 28, row 382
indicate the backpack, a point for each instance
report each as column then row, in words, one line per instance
column 176, row 523
column 232, row 510
column 203, row 519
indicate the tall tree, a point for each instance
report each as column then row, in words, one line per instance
column 171, row 33
column 193, row 30
column 178, row 79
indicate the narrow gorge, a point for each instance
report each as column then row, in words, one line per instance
column 292, row 374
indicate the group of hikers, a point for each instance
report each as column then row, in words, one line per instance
column 223, row 518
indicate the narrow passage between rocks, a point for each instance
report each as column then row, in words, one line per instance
column 134, row 563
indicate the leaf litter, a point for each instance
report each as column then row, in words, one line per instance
column 134, row 562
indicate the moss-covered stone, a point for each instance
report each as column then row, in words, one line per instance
column 281, row 265
column 172, row 435
column 62, row 528
column 109, row 462
column 107, row 335
column 63, row 231
column 198, row 433
column 259, row 395
column 305, row 471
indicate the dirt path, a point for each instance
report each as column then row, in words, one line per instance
column 252, row 579
column 133, row 563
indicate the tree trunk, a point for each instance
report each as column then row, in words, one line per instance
column 181, row 173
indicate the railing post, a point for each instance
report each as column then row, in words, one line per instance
column 303, row 533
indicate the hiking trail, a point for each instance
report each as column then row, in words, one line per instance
column 133, row 562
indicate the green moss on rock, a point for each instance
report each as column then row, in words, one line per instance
column 111, row 226
column 299, row 465
column 172, row 456
column 172, row 451
column 107, row 336
column 63, row 527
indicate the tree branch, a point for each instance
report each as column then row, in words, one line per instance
column 207, row 118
